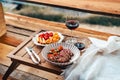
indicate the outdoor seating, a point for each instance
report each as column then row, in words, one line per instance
column 20, row 31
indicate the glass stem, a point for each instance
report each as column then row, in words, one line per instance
column 72, row 38
column 71, row 34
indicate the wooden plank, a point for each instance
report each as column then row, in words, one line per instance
column 22, row 45
column 37, row 49
column 10, row 40
column 41, row 73
column 19, row 31
column 30, row 43
column 22, row 52
column 42, row 66
column 10, row 78
column 36, row 24
column 4, row 50
column 2, row 21
column 15, row 36
column 109, row 7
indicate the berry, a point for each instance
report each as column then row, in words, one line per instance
column 50, row 34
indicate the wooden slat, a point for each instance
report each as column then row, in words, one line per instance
column 40, row 73
column 10, row 78
column 19, row 31
column 27, row 43
column 17, row 36
column 110, row 7
column 14, row 36
column 22, row 52
column 37, row 49
column 4, row 50
column 36, row 24
column 10, row 40
column 43, row 66
column 2, row 21
column 22, row 44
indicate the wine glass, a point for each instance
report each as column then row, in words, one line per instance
column 72, row 24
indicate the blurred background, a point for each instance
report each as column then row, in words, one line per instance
column 110, row 24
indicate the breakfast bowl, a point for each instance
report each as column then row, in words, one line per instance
column 47, row 37
column 60, row 54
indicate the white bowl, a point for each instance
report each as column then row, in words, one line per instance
column 39, row 44
column 73, row 49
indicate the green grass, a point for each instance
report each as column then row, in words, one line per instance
column 103, row 20
column 58, row 18
column 48, row 13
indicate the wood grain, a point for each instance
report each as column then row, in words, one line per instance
column 14, row 36
column 10, row 78
column 4, row 50
column 2, row 21
column 10, row 39
column 19, row 31
column 40, row 73
column 101, row 6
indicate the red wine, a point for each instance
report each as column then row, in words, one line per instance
column 72, row 24
column 79, row 45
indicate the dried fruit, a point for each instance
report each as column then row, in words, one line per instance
column 48, row 37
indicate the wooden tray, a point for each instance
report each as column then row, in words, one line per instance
column 20, row 55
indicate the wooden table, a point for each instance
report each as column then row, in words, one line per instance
column 20, row 56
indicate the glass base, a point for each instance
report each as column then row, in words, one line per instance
column 71, row 41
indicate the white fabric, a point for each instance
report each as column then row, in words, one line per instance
column 101, row 61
